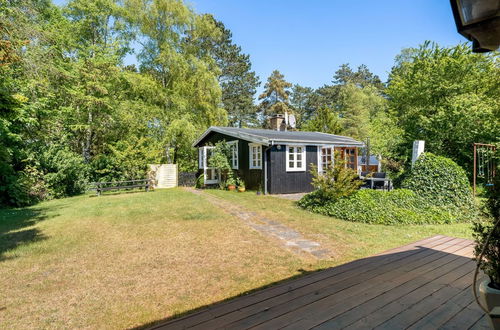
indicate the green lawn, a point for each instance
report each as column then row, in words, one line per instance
column 128, row 259
column 352, row 240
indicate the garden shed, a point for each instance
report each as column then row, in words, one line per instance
column 275, row 161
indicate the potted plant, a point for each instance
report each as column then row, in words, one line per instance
column 487, row 255
column 259, row 191
column 231, row 184
column 200, row 181
column 241, row 184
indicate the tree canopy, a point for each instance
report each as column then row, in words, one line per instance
column 449, row 97
column 72, row 111
column 275, row 98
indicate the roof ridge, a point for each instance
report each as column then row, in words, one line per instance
column 341, row 136
column 222, row 127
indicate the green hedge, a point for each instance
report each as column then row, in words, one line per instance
column 440, row 180
column 438, row 192
column 400, row 206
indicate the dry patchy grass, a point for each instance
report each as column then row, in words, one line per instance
column 125, row 260
column 349, row 239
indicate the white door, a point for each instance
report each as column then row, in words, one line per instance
column 210, row 174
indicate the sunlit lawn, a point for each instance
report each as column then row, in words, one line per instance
column 129, row 259
column 350, row 240
column 125, row 260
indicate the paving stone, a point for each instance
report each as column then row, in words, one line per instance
column 292, row 239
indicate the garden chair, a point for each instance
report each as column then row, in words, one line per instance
column 379, row 184
column 366, row 183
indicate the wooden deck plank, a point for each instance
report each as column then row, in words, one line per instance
column 391, row 303
column 464, row 319
column 481, row 324
column 412, row 285
column 425, row 299
column 341, row 311
column 446, row 311
column 353, row 289
column 363, row 271
column 235, row 305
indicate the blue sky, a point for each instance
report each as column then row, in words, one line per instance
column 308, row 40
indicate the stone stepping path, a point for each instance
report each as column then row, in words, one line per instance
column 291, row 239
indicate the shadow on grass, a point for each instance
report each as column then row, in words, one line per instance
column 14, row 230
column 159, row 324
column 432, row 267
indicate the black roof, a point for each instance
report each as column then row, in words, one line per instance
column 268, row 137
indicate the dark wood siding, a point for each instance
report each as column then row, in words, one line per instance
column 253, row 178
column 282, row 182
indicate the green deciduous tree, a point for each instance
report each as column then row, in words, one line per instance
column 170, row 32
column 324, row 120
column 71, row 112
column 357, row 107
column 448, row 97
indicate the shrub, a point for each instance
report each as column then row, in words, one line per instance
column 336, row 182
column 221, row 160
column 437, row 192
column 66, row 173
column 493, row 191
column 400, row 206
column 491, row 258
column 28, row 188
column 441, row 181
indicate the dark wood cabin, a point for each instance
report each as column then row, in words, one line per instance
column 274, row 161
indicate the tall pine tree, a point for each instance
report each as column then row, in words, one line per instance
column 275, row 98
column 237, row 80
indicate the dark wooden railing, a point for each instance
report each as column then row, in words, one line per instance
column 99, row 187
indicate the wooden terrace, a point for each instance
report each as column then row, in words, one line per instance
column 423, row 285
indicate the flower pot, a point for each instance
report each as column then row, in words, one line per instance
column 231, row 187
column 490, row 298
column 241, row 189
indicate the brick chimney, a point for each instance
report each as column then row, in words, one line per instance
column 277, row 122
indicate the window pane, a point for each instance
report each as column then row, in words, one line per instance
column 299, row 149
column 290, row 164
column 299, row 156
column 290, row 150
column 290, row 157
column 299, row 164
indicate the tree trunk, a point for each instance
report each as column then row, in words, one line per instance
column 88, row 138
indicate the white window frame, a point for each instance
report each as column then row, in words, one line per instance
column 257, row 166
column 201, row 158
column 320, row 157
column 295, row 153
column 235, row 162
column 202, row 161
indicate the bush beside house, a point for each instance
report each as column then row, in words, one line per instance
column 440, row 180
column 436, row 191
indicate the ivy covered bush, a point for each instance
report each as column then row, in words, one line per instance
column 400, row 206
column 436, row 191
column 440, row 180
